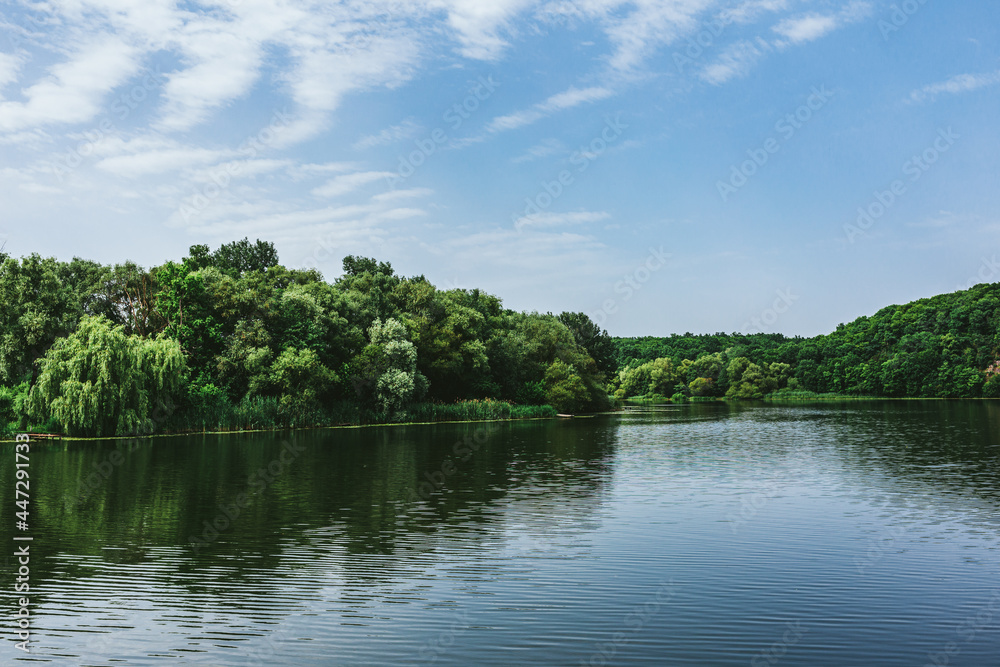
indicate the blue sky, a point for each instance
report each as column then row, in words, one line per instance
column 672, row 166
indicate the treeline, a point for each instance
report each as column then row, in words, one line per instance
column 233, row 339
column 942, row 347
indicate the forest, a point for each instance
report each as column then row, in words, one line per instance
column 945, row 346
column 232, row 340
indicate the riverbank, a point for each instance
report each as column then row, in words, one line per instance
column 473, row 411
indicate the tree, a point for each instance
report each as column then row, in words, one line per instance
column 593, row 339
column 702, row 387
column 386, row 370
column 450, row 335
column 564, row 388
column 663, row 377
column 241, row 257
column 300, row 379
column 37, row 308
column 99, row 381
column 185, row 306
column 355, row 266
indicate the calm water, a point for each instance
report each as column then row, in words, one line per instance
column 857, row 534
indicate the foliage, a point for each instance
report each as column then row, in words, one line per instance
column 564, row 388
column 237, row 258
column 941, row 347
column 39, row 306
column 386, row 370
column 476, row 409
column 593, row 339
column 100, row 380
column 13, row 402
column 258, row 345
column 300, row 379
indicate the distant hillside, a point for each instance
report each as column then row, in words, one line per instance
column 945, row 346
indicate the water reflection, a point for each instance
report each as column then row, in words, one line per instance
column 524, row 542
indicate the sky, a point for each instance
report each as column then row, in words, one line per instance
column 665, row 167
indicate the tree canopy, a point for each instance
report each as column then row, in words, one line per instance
column 234, row 338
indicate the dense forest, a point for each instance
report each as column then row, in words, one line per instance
column 946, row 346
column 231, row 339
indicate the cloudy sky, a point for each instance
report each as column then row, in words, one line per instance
column 666, row 166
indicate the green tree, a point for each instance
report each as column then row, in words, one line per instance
column 593, row 339
column 240, row 257
column 386, row 371
column 564, row 388
column 100, row 381
column 38, row 307
column 300, row 379
column 663, row 377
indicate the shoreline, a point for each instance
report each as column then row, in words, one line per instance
column 296, row 428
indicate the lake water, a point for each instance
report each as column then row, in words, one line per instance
column 849, row 534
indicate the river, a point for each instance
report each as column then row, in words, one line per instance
column 860, row 533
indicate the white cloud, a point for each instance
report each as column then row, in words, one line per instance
column 956, row 85
column 738, row 58
column 651, row 24
column 479, row 24
column 405, row 130
column 565, row 100
column 806, row 28
column 223, row 66
column 551, row 219
column 341, row 185
column 574, row 97
column 810, row 27
column 73, row 90
column 538, row 151
column 393, row 195
column 735, row 61
column 750, row 10
column 160, row 161
column 9, row 67
column 242, row 169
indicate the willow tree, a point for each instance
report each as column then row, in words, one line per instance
column 100, row 381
